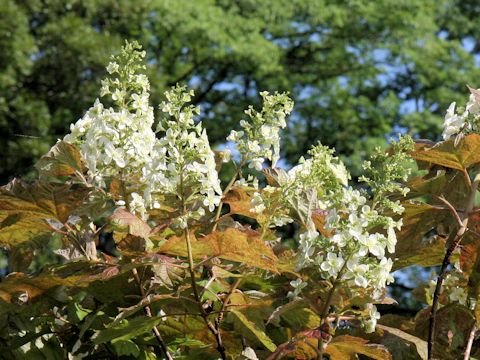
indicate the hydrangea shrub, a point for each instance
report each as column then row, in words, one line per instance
column 153, row 257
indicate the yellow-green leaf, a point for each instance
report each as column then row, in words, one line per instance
column 254, row 330
column 345, row 347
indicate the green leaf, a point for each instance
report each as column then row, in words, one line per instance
column 127, row 330
column 76, row 312
column 299, row 317
column 445, row 153
column 63, row 159
column 253, row 329
column 126, row 348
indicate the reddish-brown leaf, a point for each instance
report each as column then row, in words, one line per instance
column 345, row 347
column 240, row 245
column 445, row 153
column 239, row 198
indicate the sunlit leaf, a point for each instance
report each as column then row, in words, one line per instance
column 445, row 153
column 240, row 245
column 123, row 221
column 239, row 199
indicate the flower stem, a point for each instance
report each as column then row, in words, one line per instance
column 225, row 191
column 148, row 312
column 191, row 269
column 471, row 337
column 326, row 307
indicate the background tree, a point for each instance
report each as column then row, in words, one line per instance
column 358, row 70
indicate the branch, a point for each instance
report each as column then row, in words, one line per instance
column 211, row 327
column 468, row 349
column 324, row 316
column 191, row 269
column 457, row 238
column 148, row 311
column 451, row 208
column 219, row 319
column 225, row 191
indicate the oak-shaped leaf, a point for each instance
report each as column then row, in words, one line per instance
column 420, row 344
column 460, row 156
column 29, row 210
column 453, row 325
column 345, row 347
column 418, row 241
column 239, row 199
column 251, row 329
column 234, row 244
column 127, row 329
column 63, row 159
column 20, row 287
column 131, row 234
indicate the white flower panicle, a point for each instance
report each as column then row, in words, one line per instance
column 316, row 181
column 454, row 285
column 182, row 159
column 117, row 141
column 260, row 138
column 465, row 122
column 358, row 236
column 370, row 322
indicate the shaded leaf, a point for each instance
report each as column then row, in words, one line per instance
column 449, row 184
column 126, row 348
column 27, row 210
column 18, row 285
column 127, row 329
column 253, row 329
column 63, row 159
column 421, row 345
column 344, row 347
column 453, row 325
column 284, row 308
column 415, row 244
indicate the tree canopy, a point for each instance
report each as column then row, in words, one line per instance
column 358, row 70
